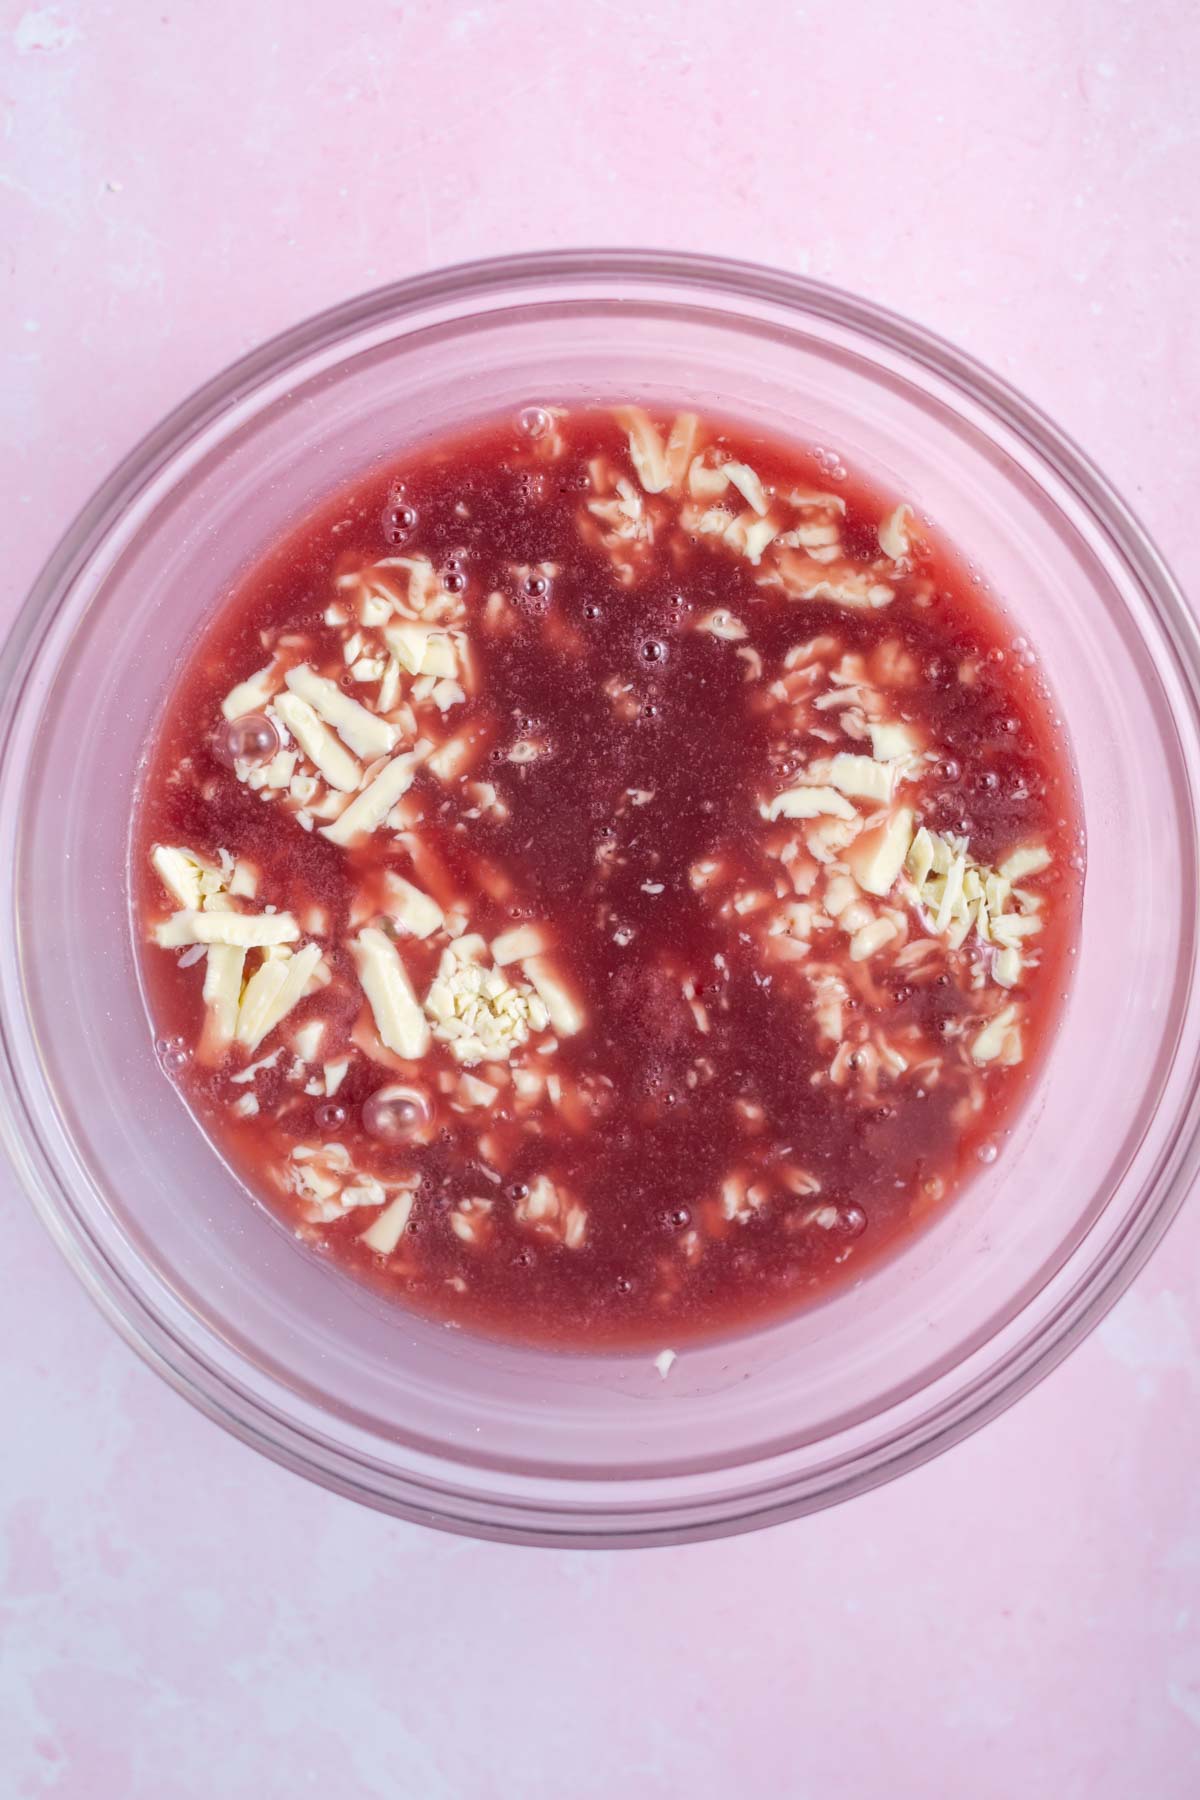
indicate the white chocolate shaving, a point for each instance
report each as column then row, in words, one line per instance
column 366, row 734
column 247, row 931
column 398, row 1017
column 368, row 811
column 319, row 744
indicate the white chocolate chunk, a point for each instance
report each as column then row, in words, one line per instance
column 335, row 1073
column 520, row 941
column 681, row 447
column 368, row 811
column 222, row 993
column 1028, row 859
column 471, row 1091
column 180, row 871
column 891, row 742
column 367, row 735
column 951, row 893
column 244, row 880
column 419, row 915
column 246, row 1107
column 262, row 991
column 339, row 768
column 894, row 540
column 247, row 931
column 1000, row 1039
column 1006, row 967
column 645, row 448
column 421, row 649
column 876, row 857
column 870, row 938
column 385, row 1231
column 566, row 1015
column 810, row 803
column 262, row 1010
column 859, row 777
column 398, row 1016
column 920, row 858
column 307, row 1041
column 747, row 484
column 722, row 624
column 750, row 535
column 253, row 694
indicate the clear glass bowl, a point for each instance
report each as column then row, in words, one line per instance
column 436, row 1424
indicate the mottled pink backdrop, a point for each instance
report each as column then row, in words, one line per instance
column 180, row 1620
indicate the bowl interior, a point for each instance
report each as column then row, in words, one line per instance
column 283, row 1335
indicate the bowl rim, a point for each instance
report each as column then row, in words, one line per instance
column 511, row 1517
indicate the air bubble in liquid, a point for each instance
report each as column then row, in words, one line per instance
column 535, row 587
column 252, row 738
column 653, row 650
column 987, row 1152
column 948, row 769
column 330, row 1116
column 852, row 1220
column 173, row 1054
column 398, row 520
column 393, row 1114
column 533, row 421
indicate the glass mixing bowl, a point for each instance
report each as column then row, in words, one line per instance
column 439, row 1425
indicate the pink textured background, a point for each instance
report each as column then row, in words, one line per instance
column 180, row 1620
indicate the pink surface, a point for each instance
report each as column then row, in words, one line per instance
column 180, row 1619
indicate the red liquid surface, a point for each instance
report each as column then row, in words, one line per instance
column 730, row 1156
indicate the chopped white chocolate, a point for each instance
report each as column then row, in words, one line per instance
column 388, row 1227
column 278, row 985
column 876, row 857
column 369, row 809
column 335, row 1073
column 245, row 930
column 871, row 938
column 748, row 485
column 1006, row 967
column 479, row 1012
column 894, row 538
column 664, row 1362
column 520, row 941
column 859, row 777
column 722, row 624
column 244, row 881
column 180, row 872
column 566, row 1015
column 1000, row 1039
column 334, row 761
column 253, row 694
column 245, row 1107
column 307, row 1040
column 421, row 649
column 397, row 1013
column 891, row 742
column 1028, row 859
column 548, row 1210
column 682, row 440
column 222, row 995
column 471, row 1091
column 810, row 803
column 410, row 907
column 366, row 734
column 645, row 448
